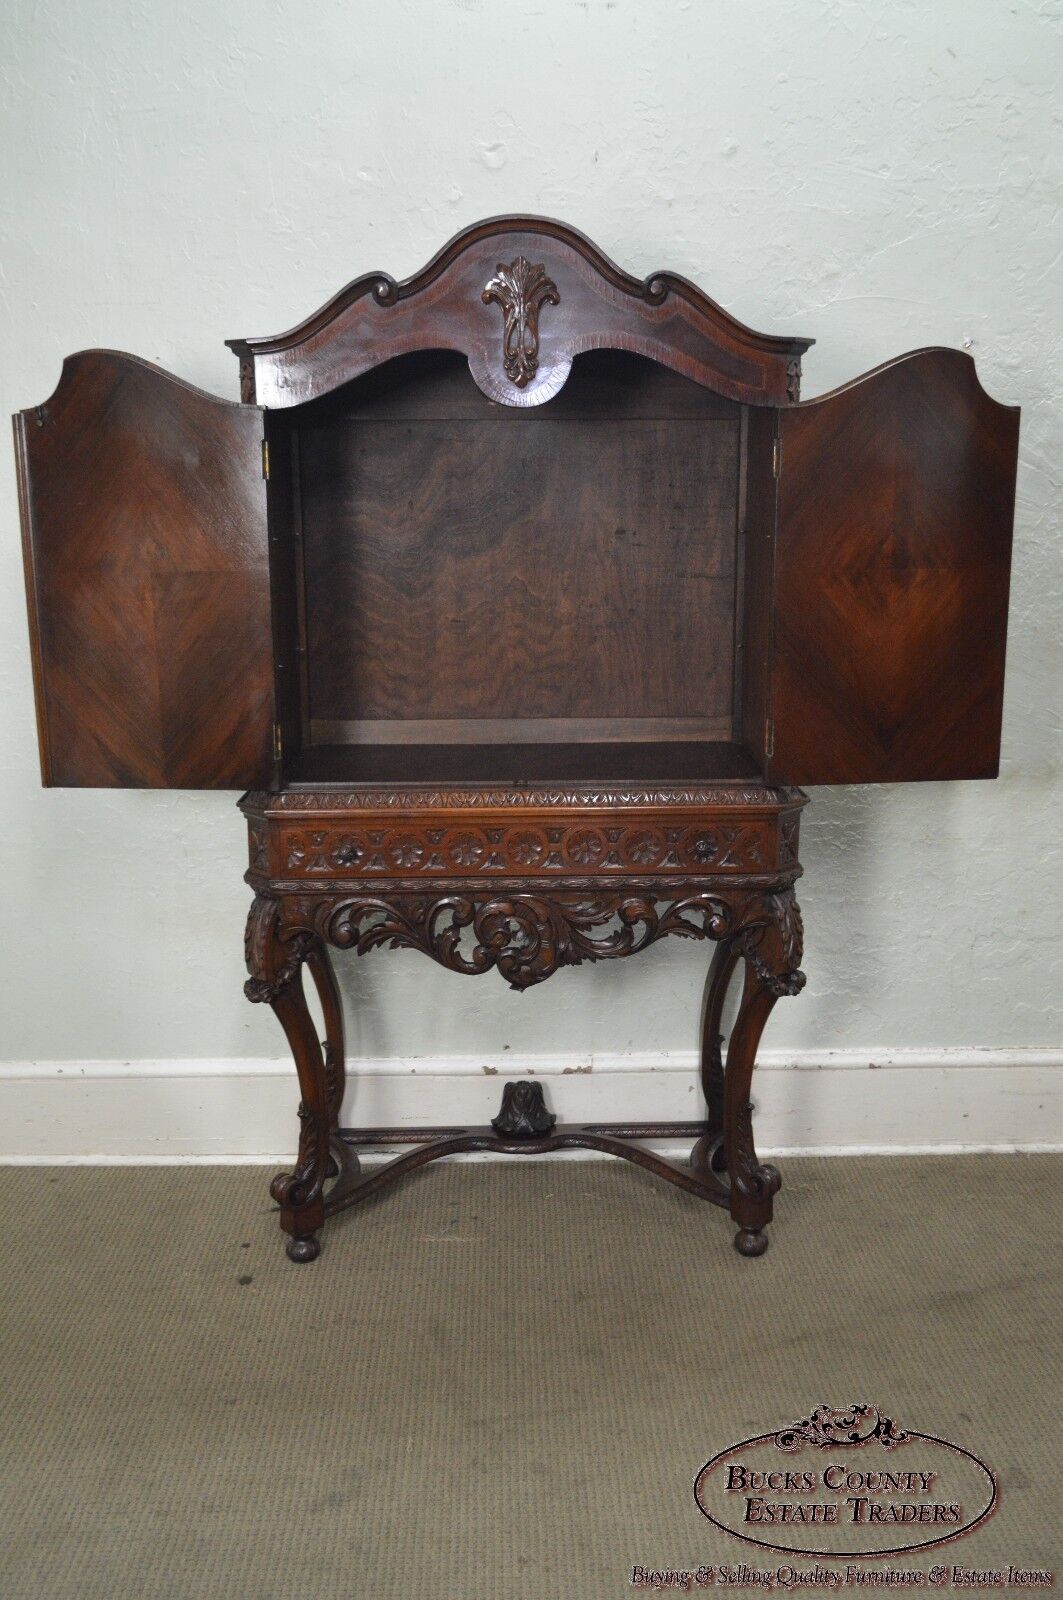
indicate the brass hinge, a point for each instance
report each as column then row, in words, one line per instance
column 277, row 746
column 770, row 741
column 265, row 459
column 775, row 455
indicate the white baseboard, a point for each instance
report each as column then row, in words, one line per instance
column 834, row 1102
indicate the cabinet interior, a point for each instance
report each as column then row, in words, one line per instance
column 473, row 591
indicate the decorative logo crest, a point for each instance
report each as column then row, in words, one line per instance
column 521, row 289
column 830, row 1426
column 860, row 1487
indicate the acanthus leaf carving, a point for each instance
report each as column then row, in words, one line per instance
column 269, row 977
column 523, row 1114
column 527, row 937
column 771, row 939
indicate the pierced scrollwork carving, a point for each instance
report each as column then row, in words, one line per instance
column 526, row 936
column 521, row 289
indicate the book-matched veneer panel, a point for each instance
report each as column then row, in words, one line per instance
column 895, row 503
column 144, row 530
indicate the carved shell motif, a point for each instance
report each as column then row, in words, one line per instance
column 521, row 289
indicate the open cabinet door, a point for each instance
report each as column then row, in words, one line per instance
column 144, row 532
column 893, row 521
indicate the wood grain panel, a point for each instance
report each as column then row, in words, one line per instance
column 522, row 764
column 144, row 527
column 486, row 568
column 547, row 730
column 893, row 548
column 436, row 384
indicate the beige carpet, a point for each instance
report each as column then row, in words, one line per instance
column 498, row 1380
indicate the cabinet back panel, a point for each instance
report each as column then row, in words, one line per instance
column 572, row 565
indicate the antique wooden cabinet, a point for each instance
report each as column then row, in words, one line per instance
column 519, row 596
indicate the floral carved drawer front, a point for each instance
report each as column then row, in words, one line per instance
column 576, row 848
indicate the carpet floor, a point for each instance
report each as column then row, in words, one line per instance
column 499, row 1379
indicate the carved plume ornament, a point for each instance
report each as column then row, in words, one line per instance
column 521, row 289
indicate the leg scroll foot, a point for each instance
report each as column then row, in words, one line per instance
column 762, row 930
column 275, row 959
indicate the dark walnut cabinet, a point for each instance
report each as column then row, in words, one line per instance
column 519, row 596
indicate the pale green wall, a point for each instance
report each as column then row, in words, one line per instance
column 879, row 176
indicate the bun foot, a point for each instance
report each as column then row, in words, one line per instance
column 751, row 1241
column 305, row 1249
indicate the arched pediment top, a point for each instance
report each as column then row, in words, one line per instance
column 520, row 297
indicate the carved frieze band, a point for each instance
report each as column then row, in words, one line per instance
column 535, row 798
column 526, row 936
column 534, row 849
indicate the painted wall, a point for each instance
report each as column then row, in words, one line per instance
column 880, row 177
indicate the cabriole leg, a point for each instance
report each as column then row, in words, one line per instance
column 752, row 1183
column 275, row 963
column 342, row 1159
column 708, row 1152
column 770, row 943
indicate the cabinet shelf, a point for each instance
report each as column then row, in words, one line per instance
column 517, row 764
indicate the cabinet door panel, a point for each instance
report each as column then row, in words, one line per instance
column 892, row 562
column 144, row 530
